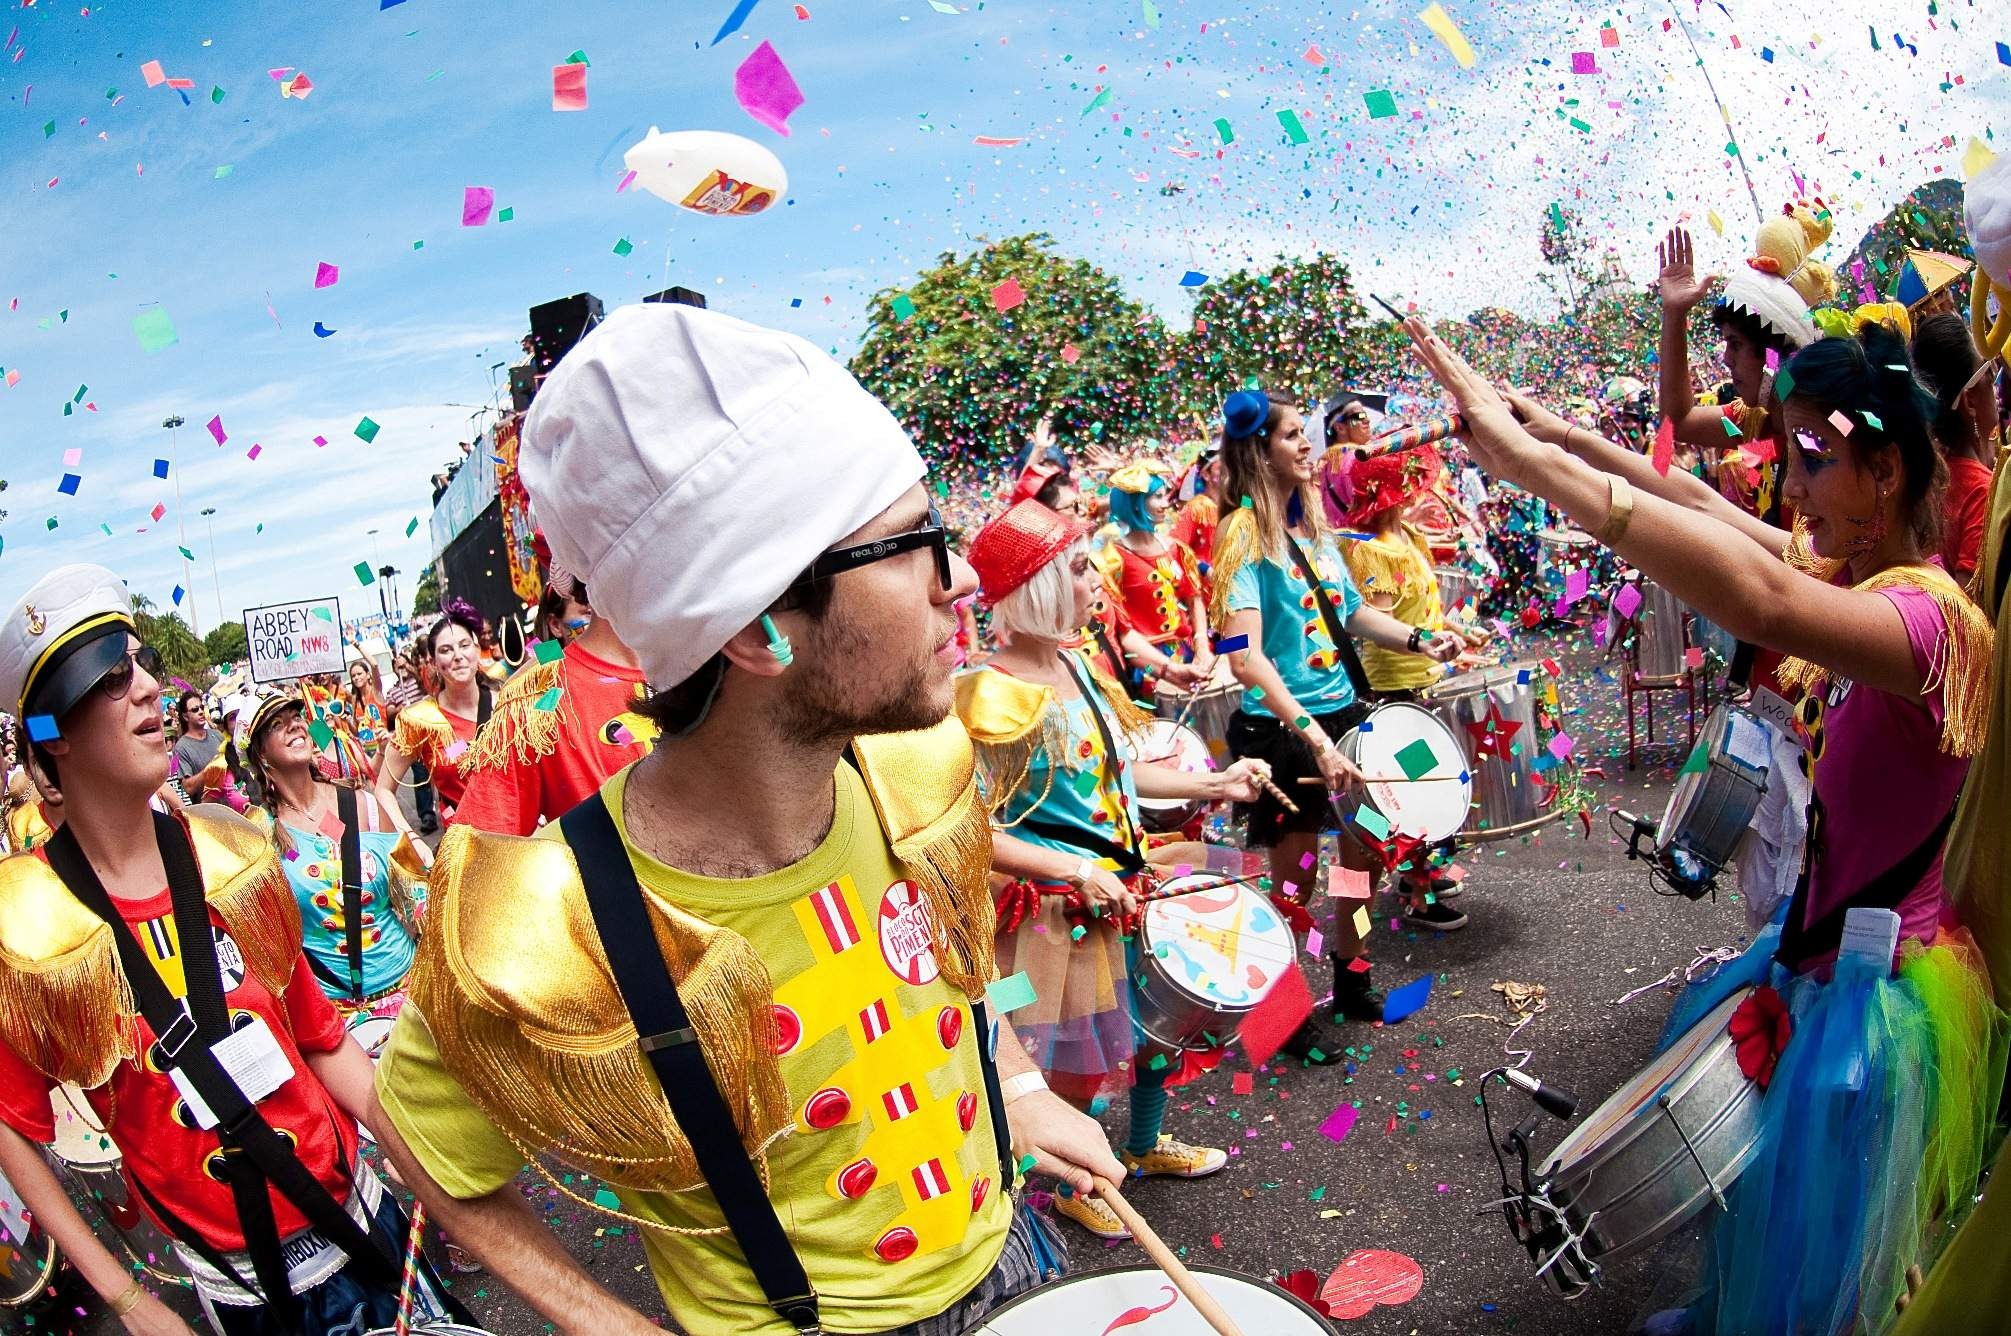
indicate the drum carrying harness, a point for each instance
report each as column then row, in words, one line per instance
column 254, row 1157
column 1358, row 676
column 666, row 1036
column 1129, row 861
column 352, row 899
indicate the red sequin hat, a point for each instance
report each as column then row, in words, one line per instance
column 1013, row 548
column 1391, row 479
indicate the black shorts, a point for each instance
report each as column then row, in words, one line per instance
column 1291, row 760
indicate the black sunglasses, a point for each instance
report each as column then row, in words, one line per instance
column 118, row 679
column 841, row 559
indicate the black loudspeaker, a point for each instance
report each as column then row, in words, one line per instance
column 681, row 296
column 523, row 387
column 557, row 326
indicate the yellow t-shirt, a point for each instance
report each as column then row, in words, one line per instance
column 1400, row 567
column 893, row 1155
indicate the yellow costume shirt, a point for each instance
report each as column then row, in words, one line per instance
column 887, row 1183
column 1401, row 567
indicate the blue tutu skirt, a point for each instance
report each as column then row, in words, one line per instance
column 1875, row 1126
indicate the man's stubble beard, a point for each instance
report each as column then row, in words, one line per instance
column 837, row 705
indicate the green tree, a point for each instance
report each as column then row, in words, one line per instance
column 426, row 595
column 970, row 381
column 226, row 644
column 182, row 655
column 1296, row 327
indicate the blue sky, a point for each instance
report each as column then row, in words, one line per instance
column 414, row 103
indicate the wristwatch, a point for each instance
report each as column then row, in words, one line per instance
column 1416, row 641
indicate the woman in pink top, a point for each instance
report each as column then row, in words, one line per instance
column 1880, row 1083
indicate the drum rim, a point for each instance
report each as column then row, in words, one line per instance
column 1350, row 745
column 1625, row 1134
column 50, row 1264
column 1199, row 1268
column 1164, row 806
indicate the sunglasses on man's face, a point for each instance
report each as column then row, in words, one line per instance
column 932, row 536
column 118, row 680
column 1354, row 417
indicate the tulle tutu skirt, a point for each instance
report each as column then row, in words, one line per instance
column 1078, row 1027
column 1875, row 1126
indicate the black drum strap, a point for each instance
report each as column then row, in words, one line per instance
column 1801, row 944
column 352, row 888
column 665, row 1034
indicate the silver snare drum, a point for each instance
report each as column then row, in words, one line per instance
column 1662, row 1149
column 1717, row 792
column 1494, row 714
column 1165, row 742
column 1209, row 951
column 1095, row 1302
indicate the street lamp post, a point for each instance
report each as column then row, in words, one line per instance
column 215, row 579
column 382, row 606
column 173, row 424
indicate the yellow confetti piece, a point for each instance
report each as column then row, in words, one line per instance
column 1975, row 158
column 1717, row 223
column 1443, row 28
column 1361, row 921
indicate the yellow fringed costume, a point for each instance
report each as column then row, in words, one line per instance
column 65, row 1004
column 512, row 981
column 1012, row 722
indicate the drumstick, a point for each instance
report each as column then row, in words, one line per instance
column 1264, row 782
column 1391, row 779
column 1204, row 1303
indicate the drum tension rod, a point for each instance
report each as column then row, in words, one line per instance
column 1669, row 1111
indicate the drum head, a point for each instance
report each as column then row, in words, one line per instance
column 1223, row 947
column 1432, row 788
column 1166, row 742
column 1628, row 1103
column 1728, row 733
column 79, row 1138
column 1096, row 1301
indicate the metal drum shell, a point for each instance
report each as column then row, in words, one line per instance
column 1086, row 1301
column 33, row 1261
column 87, row 1159
column 1505, row 797
column 1660, row 644
column 1167, row 1010
column 1642, row 1182
column 1714, row 824
column 1349, row 801
column 1163, row 741
column 1209, row 712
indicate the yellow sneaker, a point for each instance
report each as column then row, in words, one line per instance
column 1091, row 1214
column 1176, row 1158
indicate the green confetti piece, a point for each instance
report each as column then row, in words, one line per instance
column 364, row 575
column 506, row 213
column 216, row 96
column 1078, row 932
column 904, row 308
column 579, row 58
column 623, row 246
column 1009, row 994
column 1381, row 102
column 222, row 172
column 322, row 613
column 1699, row 762
column 606, row 1200
column 412, row 526
column 1871, row 420
column 1222, row 129
column 366, row 431
column 1102, row 99
column 186, row 554
column 320, row 733
column 1293, row 129
column 154, row 330
column 549, row 651
column 1151, row 14
column 1784, row 383
column 1731, row 428
column 1374, row 822
column 1026, row 1164
column 49, row 130
column 549, row 701
column 1580, row 126
column 1416, row 759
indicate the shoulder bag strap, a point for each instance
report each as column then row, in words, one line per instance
column 1885, row 891
column 1336, row 631
column 485, row 706
column 352, row 888
column 665, row 1035
column 1092, row 698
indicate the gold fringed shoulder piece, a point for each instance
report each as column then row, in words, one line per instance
column 405, row 876
column 516, row 988
column 64, row 1003
column 422, row 730
column 519, row 733
column 1959, row 666
column 1375, row 569
column 247, row 887
column 1237, row 544
column 925, row 791
column 1011, row 722
column 1129, row 717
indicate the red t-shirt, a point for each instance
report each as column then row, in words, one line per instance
column 598, row 734
column 137, row 1106
column 1156, row 595
column 1195, row 527
column 1965, row 513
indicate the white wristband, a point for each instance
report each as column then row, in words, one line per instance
column 1014, row 1087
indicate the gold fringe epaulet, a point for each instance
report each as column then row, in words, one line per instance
column 1237, row 544
column 1374, row 568
column 925, row 790
column 518, row 732
column 65, row 1004
column 405, row 878
column 422, row 730
column 513, row 982
column 1011, row 722
column 1959, row 665
column 1128, row 715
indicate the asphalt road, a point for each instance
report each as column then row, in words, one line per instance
column 1414, row 1174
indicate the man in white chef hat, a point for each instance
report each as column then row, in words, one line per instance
column 745, row 984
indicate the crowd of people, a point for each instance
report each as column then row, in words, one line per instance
column 795, row 773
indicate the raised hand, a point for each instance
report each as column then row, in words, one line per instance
column 1679, row 285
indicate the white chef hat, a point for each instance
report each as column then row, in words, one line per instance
column 689, row 466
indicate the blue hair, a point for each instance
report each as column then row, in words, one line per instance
column 1129, row 509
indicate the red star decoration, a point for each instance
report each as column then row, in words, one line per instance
column 1492, row 735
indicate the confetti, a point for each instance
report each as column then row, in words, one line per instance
column 154, row 330
column 766, row 90
column 476, row 204
column 1442, row 27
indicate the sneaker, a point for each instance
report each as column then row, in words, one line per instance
column 1437, row 917
column 1091, row 1214
column 1312, row 1045
column 1355, row 998
column 1175, row 1158
column 1445, row 887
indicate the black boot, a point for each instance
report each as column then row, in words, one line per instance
column 1355, row 998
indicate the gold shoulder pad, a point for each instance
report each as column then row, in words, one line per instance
column 998, row 708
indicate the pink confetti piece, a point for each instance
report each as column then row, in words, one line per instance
column 158, row 511
column 766, row 90
column 1584, row 62
column 1336, row 1126
column 73, row 456
column 253, row 453
column 477, row 202
column 151, row 72
column 215, row 426
column 1007, row 295
column 993, row 141
column 1840, row 422
column 569, row 87
column 325, row 275
column 1560, row 746
column 627, row 180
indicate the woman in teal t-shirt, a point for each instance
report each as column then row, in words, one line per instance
column 307, row 827
column 1299, row 697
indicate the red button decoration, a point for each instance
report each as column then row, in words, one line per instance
column 788, row 1029
column 856, row 1179
column 827, row 1108
column 967, row 1110
column 896, row 1245
column 979, row 1188
column 949, row 1026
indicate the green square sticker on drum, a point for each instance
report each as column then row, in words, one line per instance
column 1417, row 758
column 1699, row 762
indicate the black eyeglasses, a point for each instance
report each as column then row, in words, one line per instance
column 1354, row 417
column 841, row 559
column 118, row 679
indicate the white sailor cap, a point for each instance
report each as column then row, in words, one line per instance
column 67, row 631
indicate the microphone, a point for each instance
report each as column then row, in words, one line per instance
column 1557, row 1103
